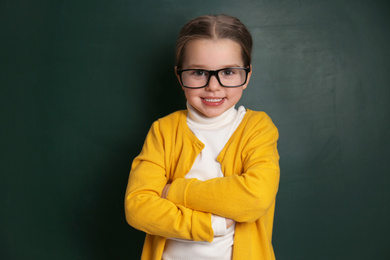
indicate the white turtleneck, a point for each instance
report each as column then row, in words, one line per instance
column 213, row 133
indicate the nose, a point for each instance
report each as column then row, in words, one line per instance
column 213, row 84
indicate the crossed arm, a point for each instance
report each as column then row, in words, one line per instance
column 229, row 222
column 186, row 211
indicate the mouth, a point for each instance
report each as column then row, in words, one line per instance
column 213, row 102
column 213, row 99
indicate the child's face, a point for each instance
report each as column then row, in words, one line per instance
column 213, row 99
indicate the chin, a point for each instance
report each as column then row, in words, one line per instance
column 212, row 113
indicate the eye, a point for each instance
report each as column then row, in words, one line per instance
column 228, row 72
column 199, row 73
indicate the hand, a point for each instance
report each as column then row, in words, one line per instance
column 164, row 193
column 229, row 222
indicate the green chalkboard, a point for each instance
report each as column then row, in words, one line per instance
column 82, row 81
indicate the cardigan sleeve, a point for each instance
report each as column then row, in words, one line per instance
column 246, row 196
column 147, row 211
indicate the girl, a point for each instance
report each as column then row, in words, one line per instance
column 204, row 184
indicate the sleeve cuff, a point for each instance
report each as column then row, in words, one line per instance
column 201, row 227
column 178, row 191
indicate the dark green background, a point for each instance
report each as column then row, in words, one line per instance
column 81, row 82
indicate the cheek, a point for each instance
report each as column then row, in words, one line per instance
column 190, row 93
column 186, row 95
column 236, row 93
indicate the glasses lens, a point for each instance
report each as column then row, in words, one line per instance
column 194, row 78
column 230, row 77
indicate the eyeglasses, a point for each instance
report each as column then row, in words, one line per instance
column 227, row 77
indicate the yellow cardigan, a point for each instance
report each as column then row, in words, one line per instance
column 250, row 163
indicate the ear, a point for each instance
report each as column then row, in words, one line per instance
column 178, row 77
column 248, row 78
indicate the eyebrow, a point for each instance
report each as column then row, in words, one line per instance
column 196, row 66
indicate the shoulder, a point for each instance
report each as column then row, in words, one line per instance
column 170, row 122
column 177, row 115
column 173, row 118
column 257, row 119
column 257, row 125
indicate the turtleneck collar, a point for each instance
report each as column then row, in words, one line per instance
column 197, row 120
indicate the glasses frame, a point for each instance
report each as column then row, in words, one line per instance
column 215, row 73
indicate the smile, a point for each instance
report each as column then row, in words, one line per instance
column 213, row 100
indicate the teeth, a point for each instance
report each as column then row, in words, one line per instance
column 213, row 100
